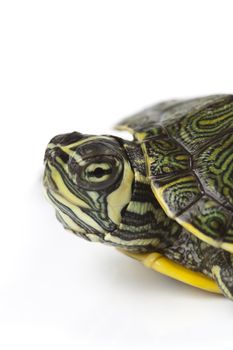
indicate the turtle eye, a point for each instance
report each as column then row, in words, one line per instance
column 96, row 165
column 98, row 172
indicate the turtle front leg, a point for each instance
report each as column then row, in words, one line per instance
column 221, row 265
column 191, row 252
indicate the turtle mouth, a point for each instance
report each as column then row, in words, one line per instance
column 66, row 227
column 74, row 218
column 77, row 218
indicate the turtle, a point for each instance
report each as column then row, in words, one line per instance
column 165, row 197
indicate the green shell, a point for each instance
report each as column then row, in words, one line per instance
column 188, row 148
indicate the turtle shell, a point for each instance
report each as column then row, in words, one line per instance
column 188, row 149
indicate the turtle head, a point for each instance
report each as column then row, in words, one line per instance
column 89, row 181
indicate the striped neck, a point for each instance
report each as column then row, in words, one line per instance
column 144, row 225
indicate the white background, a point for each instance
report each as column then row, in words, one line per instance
column 83, row 65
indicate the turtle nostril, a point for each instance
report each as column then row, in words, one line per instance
column 55, row 145
column 52, row 153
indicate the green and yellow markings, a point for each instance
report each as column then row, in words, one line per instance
column 62, row 188
column 119, row 198
column 70, row 223
column 175, row 188
column 188, row 225
column 196, row 232
column 216, row 270
column 133, row 242
column 76, row 211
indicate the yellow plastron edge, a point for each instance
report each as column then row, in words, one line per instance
column 169, row 268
